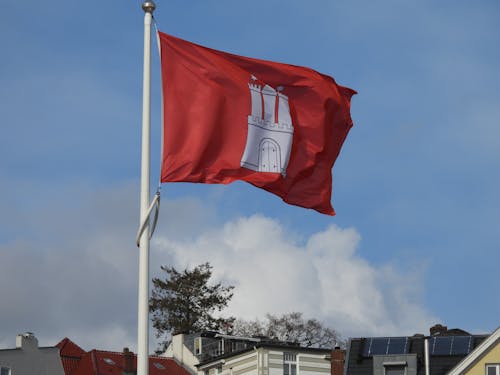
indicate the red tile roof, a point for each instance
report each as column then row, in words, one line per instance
column 99, row 362
column 69, row 349
column 71, row 354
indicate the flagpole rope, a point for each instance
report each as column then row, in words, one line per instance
column 155, row 204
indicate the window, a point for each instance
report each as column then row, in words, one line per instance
column 289, row 364
column 4, row 370
column 109, row 361
column 490, row 369
column 395, row 370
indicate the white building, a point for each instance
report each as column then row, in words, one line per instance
column 216, row 354
column 29, row 359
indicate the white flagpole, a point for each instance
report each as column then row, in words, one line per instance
column 143, row 302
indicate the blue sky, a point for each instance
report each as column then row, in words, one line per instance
column 415, row 239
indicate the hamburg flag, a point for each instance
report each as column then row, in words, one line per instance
column 226, row 117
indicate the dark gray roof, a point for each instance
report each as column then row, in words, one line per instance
column 251, row 345
column 445, row 351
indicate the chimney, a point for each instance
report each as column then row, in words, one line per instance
column 26, row 341
column 438, row 329
column 337, row 361
column 128, row 362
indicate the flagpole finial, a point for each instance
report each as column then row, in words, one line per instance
column 148, row 6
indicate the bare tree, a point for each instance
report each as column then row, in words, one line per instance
column 292, row 327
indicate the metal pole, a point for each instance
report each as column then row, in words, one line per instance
column 426, row 356
column 143, row 302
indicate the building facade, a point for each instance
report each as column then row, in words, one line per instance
column 217, row 354
column 269, row 359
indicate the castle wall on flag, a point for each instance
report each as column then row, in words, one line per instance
column 270, row 130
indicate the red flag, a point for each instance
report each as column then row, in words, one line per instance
column 226, row 117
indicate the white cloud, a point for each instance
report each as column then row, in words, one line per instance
column 323, row 278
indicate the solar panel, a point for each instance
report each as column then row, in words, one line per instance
column 461, row 345
column 366, row 348
column 397, row 345
column 379, row 345
column 451, row 345
column 441, row 345
column 385, row 345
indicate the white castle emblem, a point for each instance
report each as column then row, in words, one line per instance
column 270, row 130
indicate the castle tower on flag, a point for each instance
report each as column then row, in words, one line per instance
column 270, row 130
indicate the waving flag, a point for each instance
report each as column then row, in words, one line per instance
column 226, row 117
